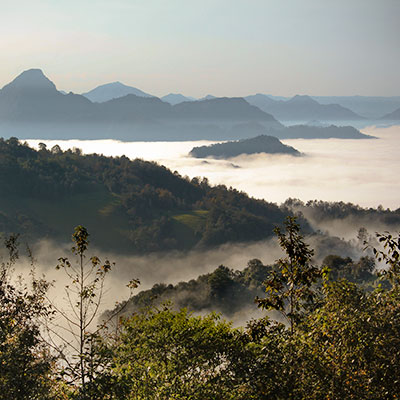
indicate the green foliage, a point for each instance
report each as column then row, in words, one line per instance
column 361, row 272
column 223, row 290
column 345, row 346
column 352, row 345
column 289, row 288
column 163, row 354
column 25, row 363
column 391, row 256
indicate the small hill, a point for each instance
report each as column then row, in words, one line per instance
column 259, row 144
column 111, row 91
column 233, row 292
column 223, row 290
column 208, row 97
column 176, row 98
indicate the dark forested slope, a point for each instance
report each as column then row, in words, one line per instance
column 134, row 205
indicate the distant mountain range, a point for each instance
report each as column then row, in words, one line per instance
column 302, row 108
column 351, row 107
column 372, row 107
column 299, row 132
column 260, row 144
column 32, row 107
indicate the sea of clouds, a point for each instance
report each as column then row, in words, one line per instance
column 363, row 172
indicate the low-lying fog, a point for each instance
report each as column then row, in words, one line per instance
column 169, row 267
column 364, row 172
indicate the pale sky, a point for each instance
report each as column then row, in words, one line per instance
column 196, row 47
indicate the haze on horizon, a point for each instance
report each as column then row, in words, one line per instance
column 213, row 46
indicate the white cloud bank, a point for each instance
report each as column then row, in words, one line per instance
column 364, row 172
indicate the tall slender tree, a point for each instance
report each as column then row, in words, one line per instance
column 73, row 334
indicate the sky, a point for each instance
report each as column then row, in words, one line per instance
column 222, row 47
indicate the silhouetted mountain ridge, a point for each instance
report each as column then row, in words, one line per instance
column 111, row 91
column 31, row 107
column 302, row 107
column 299, row 131
column 394, row 116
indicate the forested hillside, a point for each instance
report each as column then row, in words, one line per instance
column 133, row 206
column 231, row 291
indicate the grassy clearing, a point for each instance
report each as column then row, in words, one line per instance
column 194, row 220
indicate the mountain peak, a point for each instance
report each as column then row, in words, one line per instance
column 113, row 90
column 302, row 99
column 31, row 79
column 176, row 98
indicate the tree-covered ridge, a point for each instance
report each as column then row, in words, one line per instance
column 326, row 211
column 232, row 291
column 260, row 144
column 132, row 205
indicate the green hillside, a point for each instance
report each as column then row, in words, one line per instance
column 133, row 206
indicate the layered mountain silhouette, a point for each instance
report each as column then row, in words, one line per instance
column 111, row 91
column 393, row 116
column 299, row 132
column 31, row 106
column 302, row 108
column 176, row 98
column 208, row 97
column 372, row 107
column 256, row 145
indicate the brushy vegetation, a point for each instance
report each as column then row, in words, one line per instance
column 341, row 339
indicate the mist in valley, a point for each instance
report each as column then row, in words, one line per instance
column 363, row 172
column 173, row 267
